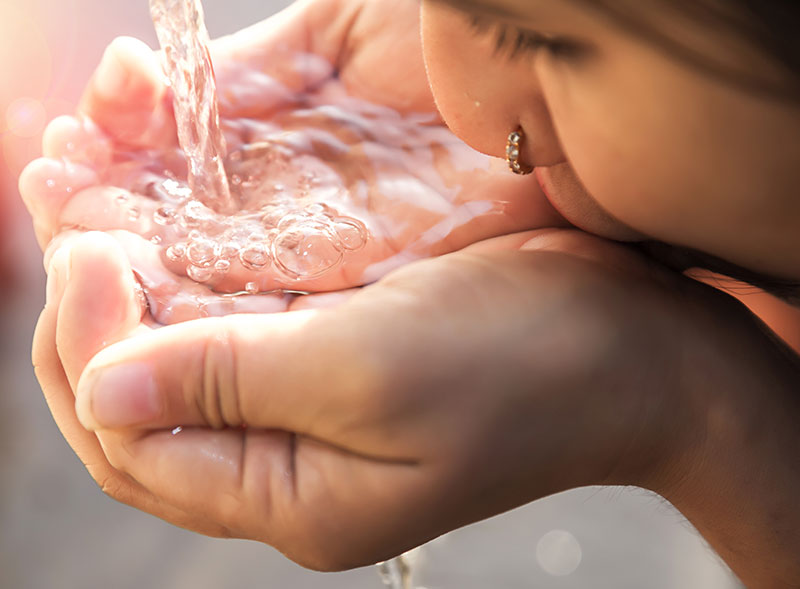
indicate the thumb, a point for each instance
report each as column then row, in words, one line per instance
column 127, row 96
column 277, row 371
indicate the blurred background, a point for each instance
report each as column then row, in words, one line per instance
column 57, row 530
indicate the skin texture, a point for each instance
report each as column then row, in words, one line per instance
column 461, row 386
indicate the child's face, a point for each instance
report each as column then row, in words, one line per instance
column 629, row 139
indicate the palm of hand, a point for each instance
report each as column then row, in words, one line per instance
column 418, row 190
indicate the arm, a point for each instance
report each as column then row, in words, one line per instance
column 741, row 485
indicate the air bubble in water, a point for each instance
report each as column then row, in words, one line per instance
column 134, row 213
column 176, row 252
column 122, row 198
column 318, row 209
column 228, row 250
column 202, row 252
column 255, row 256
column 222, row 266
column 199, row 274
column 156, row 240
column 351, row 232
column 288, row 220
column 251, row 288
column 306, row 251
column 272, row 214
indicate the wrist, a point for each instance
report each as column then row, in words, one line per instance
column 736, row 476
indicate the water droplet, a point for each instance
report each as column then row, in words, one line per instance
column 202, row 252
column 134, row 213
column 222, row 266
column 251, row 288
column 156, row 240
column 305, row 182
column 165, row 216
column 122, row 198
column 235, row 180
column 306, row 252
column 255, row 256
column 199, row 274
column 68, row 189
column 177, row 430
column 176, row 252
column 50, row 183
column 70, row 147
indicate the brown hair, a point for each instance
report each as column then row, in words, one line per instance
column 771, row 26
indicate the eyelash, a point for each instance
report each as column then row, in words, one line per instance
column 518, row 42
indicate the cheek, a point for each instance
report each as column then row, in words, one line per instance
column 478, row 94
column 610, row 129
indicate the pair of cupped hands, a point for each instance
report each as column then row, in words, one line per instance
column 352, row 425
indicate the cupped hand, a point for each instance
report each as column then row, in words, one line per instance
column 318, row 70
column 453, row 389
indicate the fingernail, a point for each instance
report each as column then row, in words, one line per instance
column 111, row 76
column 120, row 396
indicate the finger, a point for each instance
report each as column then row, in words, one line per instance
column 241, row 369
column 270, row 63
column 127, row 96
column 106, row 208
column 58, row 393
column 173, row 298
column 79, row 140
column 46, row 185
column 101, row 303
column 61, row 401
column 50, row 373
column 298, row 45
column 324, row 507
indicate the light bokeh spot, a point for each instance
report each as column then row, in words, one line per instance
column 26, row 117
column 558, row 553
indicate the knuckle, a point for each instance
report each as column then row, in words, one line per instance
column 218, row 392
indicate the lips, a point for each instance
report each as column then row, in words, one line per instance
column 571, row 200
